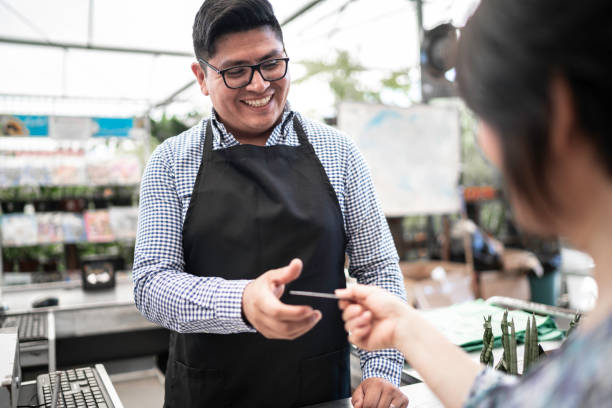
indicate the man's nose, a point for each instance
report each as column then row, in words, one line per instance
column 258, row 83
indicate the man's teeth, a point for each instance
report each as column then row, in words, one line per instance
column 256, row 103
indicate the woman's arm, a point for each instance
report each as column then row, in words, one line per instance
column 376, row 319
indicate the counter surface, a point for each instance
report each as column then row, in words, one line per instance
column 419, row 396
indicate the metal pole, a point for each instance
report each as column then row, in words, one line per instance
column 301, row 11
column 90, row 22
column 419, row 13
column 23, row 41
column 420, row 35
column 2, row 305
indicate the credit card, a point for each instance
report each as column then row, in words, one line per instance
column 313, row 294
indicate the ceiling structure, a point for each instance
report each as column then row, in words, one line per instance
column 121, row 58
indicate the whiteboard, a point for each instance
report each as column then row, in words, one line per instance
column 413, row 154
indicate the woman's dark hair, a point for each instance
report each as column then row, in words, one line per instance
column 218, row 17
column 509, row 53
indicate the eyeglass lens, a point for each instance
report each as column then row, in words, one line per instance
column 271, row 70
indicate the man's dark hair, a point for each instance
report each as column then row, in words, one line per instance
column 509, row 54
column 218, row 17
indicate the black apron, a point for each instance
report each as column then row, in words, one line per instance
column 255, row 208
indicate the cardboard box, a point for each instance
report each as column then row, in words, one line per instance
column 425, row 292
column 510, row 284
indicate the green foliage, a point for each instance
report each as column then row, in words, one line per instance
column 476, row 170
column 167, row 127
column 397, row 80
column 39, row 254
column 343, row 76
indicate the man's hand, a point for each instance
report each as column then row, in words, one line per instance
column 272, row 318
column 378, row 393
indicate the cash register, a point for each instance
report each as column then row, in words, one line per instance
column 82, row 387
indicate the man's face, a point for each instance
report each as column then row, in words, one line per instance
column 253, row 110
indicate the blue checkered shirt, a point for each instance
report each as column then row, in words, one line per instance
column 169, row 296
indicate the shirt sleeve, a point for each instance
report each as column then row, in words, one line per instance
column 373, row 257
column 163, row 292
column 492, row 388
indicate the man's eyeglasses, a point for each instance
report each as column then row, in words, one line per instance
column 242, row 75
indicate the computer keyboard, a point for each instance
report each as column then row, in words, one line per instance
column 31, row 326
column 79, row 388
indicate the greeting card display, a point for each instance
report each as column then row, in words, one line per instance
column 73, row 228
column 49, row 228
column 97, row 226
column 19, row 230
column 124, row 222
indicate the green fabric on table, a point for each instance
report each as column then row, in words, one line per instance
column 462, row 324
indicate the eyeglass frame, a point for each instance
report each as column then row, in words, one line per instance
column 254, row 67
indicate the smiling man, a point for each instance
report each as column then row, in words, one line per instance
column 249, row 203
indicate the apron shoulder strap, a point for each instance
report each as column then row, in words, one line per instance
column 208, row 142
column 301, row 134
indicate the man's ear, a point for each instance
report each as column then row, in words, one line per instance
column 200, row 75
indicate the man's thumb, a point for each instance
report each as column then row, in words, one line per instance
column 288, row 273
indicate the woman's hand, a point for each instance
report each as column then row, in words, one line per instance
column 373, row 317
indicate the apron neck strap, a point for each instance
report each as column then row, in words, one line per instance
column 208, row 142
column 299, row 129
column 208, row 138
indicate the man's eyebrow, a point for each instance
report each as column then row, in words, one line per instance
column 233, row 63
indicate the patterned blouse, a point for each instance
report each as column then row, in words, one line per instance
column 576, row 375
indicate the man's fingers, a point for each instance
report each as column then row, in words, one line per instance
column 304, row 328
column 357, row 397
column 372, row 396
column 278, row 310
column 399, row 402
column 288, row 273
column 289, row 329
column 385, row 399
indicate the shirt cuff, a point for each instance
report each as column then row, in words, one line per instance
column 228, row 306
column 382, row 367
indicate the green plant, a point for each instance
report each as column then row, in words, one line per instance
column 508, row 362
column 486, row 356
column 573, row 324
column 532, row 348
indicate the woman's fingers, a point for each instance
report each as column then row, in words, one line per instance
column 359, row 335
column 364, row 319
column 343, row 304
column 352, row 311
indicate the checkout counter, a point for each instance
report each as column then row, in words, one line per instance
column 91, row 327
column 420, row 396
column 85, row 328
